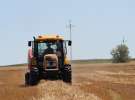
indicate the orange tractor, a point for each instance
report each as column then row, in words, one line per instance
column 47, row 59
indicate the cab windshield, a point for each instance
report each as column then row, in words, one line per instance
column 49, row 47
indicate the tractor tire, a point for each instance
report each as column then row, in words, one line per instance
column 31, row 78
column 67, row 74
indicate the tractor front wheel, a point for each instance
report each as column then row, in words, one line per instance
column 67, row 74
column 31, row 78
column 27, row 78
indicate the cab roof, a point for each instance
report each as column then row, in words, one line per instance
column 49, row 37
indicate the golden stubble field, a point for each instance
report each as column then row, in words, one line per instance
column 90, row 82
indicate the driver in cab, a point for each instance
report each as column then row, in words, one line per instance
column 49, row 50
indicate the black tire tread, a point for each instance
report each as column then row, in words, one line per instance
column 67, row 74
column 31, row 78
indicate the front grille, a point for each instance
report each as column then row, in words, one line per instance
column 51, row 64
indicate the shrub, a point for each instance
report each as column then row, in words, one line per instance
column 120, row 54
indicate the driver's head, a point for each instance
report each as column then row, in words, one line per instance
column 48, row 45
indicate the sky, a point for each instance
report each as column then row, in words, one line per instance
column 99, row 25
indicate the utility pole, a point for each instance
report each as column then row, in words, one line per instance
column 70, row 26
column 123, row 41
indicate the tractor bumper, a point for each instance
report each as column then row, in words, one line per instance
column 51, row 73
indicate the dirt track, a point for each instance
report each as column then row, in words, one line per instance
column 90, row 82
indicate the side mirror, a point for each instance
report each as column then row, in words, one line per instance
column 69, row 43
column 29, row 43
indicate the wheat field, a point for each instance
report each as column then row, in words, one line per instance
column 104, row 81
